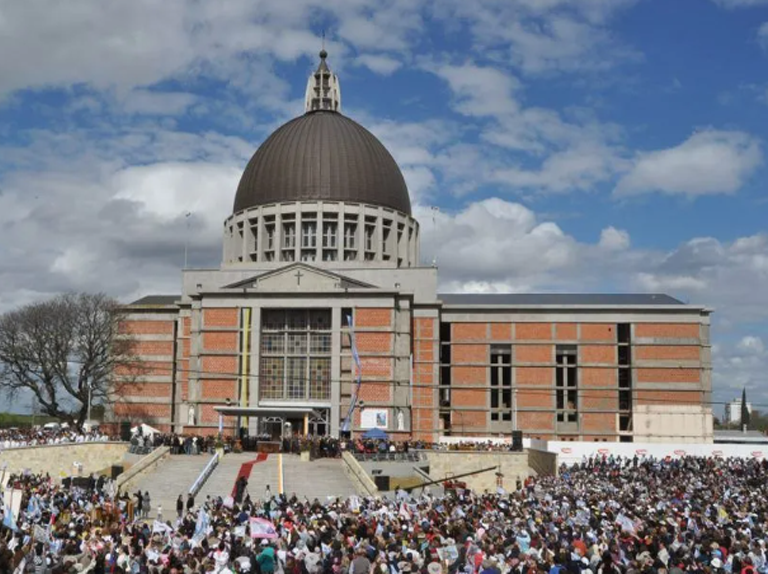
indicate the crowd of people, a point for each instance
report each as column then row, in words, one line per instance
column 604, row 516
column 38, row 436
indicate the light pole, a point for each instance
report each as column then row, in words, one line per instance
column 186, row 238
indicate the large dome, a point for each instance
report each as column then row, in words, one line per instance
column 322, row 156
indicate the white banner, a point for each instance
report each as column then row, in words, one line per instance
column 374, row 419
column 572, row 452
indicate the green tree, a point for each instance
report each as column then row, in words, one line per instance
column 64, row 352
column 744, row 410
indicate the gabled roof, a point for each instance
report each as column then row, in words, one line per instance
column 555, row 299
column 344, row 281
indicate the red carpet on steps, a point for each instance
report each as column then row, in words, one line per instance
column 246, row 468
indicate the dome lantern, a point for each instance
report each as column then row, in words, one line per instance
column 323, row 89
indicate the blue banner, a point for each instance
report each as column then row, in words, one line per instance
column 358, row 379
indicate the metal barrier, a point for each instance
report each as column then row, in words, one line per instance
column 389, row 456
column 209, row 468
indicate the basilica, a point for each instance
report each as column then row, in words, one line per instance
column 323, row 319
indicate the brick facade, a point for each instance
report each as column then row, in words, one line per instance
column 655, row 354
column 666, row 366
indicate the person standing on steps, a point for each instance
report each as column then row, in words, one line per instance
column 139, row 504
column 190, row 502
column 146, row 504
column 180, row 507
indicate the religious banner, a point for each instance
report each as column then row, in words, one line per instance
column 374, row 419
column 261, row 528
column 41, row 534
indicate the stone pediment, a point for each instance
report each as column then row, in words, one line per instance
column 299, row 278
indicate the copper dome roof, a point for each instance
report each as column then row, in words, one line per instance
column 322, row 156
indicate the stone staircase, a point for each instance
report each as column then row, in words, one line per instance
column 222, row 481
column 321, row 478
column 172, row 477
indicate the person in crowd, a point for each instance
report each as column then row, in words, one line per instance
column 602, row 516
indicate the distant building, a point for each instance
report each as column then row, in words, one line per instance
column 733, row 412
column 322, row 251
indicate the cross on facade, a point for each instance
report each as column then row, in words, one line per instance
column 298, row 276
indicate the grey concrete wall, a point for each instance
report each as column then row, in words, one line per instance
column 126, row 481
column 512, row 465
column 543, row 462
column 392, row 468
column 363, row 483
column 60, row 459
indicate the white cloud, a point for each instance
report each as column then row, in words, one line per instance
column 738, row 366
column 751, row 344
column 762, row 35
column 709, row 162
column 497, row 242
column 383, row 65
column 479, row 90
column 542, row 36
column 740, row 3
column 614, row 239
column 107, row 44
column 580, row 167
column 140, row 101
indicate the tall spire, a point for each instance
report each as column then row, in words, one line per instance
column 323, row 89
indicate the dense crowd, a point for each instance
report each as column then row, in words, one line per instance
column 20, row 438
column 607, row 516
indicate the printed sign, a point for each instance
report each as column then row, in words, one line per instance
column 374, row 419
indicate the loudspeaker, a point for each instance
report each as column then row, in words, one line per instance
column 83, row 482
column 125, row 431
column 517, row 441
column 117, row 470
column 382, row 482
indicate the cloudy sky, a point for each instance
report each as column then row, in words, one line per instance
column 570, row 145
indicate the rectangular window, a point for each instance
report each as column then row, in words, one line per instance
column 370, row 233
column 623, row 331
column 319, row 378
column 289, row 235
column 269, row 230
column 271, row 378
column 296, row 355
column 272, row 344
column 624, row 354
column 350, row 230
column 329, row 235
column 566, row 382
column 254, row 238
column 501, row 383
column 309, row 235
column 445, row 366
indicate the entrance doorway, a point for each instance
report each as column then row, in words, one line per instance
column 281, row 427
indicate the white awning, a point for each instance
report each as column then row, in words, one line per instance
column 264, row 411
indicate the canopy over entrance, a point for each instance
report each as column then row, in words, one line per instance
column 279, row 422
column 264, row 411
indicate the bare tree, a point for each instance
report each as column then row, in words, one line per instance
column 64, row 350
